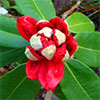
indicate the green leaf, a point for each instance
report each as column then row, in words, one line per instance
column 12, row 40
column 6, row 4
column 9, row 55
column 9, row 35
column 89, row 48
column 15, row 85
column 36, row 8
column 78, row 22
column 58, row 92
column 80, row 82
column 8, row 25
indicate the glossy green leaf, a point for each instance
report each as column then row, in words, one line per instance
column 79, row 22
column 8, row 25
column 80, row 82
column 9, row 36
column 36, row 8
column 9, row 55
column 15, row 86
column 12, row 40
column 89, row 48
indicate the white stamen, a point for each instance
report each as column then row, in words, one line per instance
column 49, row 52
column 30, row 56
column 66, row 57
column 36, row 42
column 46, row 31
column 60, row 36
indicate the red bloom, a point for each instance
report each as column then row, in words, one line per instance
column 50, row 45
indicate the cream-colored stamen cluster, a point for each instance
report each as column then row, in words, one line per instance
column 60, row 36
column 46, row 31
column 35, row 42
column 50, row 50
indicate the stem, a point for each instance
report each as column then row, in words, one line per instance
column 48, row 95
column 90, row 9
column 71, row 10
column 1, row 3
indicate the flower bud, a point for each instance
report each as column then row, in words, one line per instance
column 26, row 26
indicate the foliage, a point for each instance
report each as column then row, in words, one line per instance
column 79, row 81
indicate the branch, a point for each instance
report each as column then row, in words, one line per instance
column 71, row 10
column 2, row 5
column 48, row 95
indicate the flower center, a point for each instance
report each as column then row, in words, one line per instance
column 46, row 41
column 49, row 52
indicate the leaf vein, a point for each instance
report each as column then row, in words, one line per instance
column 79, row 24
column 88, row 49
column 41, row 14
column 77, row 81
column 17, row 87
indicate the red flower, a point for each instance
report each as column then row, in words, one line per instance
column 50, row 46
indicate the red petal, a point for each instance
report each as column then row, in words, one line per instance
column 55, row 38
column 55, row 74
column 41, row 25
column 60, row 52
column 60, row 25
column 35, row 53
column 26, row 26
column 42, row 75
column 71, row 45
column 50, row 74
column 32, row 68
column 48, row 43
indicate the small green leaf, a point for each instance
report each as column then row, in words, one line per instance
column 79, row 22
column 36, row 8
column 6, row 4
column 15, row 86
column 80, row 82
column 89, row 48
column 9, row 55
